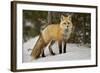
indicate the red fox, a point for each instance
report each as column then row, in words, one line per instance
column 53, row 32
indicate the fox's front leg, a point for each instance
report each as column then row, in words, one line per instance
column 60, row 46
column 64, row 49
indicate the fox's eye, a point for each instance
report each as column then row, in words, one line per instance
column 64, row 23
column 68, row 23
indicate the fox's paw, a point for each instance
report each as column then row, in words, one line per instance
column 53, row 53
column 43, row 55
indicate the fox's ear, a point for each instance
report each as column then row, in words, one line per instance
column 62, row 17
column 70, row 17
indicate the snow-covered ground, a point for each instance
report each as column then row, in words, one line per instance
column 74, row 52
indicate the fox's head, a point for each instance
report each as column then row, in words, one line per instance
column 66, row 23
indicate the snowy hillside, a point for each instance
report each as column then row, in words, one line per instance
column 74, row 52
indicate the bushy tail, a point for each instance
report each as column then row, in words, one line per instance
column 36, row 51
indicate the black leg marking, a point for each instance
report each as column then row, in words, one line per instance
column 43, row 55
column 60, row 47
column 50, row 49
column 64, row 49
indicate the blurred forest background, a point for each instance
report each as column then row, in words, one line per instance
column 35, row 21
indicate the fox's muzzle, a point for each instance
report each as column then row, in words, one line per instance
column 66, row 30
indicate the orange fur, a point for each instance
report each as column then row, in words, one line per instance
column 57, row 32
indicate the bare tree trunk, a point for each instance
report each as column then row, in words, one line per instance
column 49, row 17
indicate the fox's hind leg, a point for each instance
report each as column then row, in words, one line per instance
column 37, row 49
column 42, row 50
column 43, row 54
column 50, row 49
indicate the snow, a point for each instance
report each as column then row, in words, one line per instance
column 74, row 52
